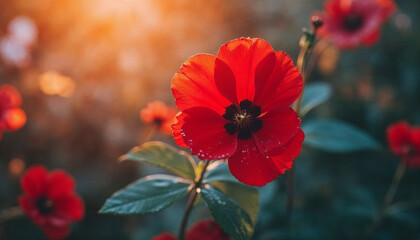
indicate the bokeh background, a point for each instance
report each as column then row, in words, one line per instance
column 87, row 67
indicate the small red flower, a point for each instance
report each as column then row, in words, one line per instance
column 404, row 141
column 236, row 105
column 49, row 200
column 349, row 23
column 164, row 236
column 159, row 113
column 207, row 230
column 12, row 117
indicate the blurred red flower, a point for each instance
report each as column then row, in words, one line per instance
column 207, row 230
column 159, row 113
column 236, row 105
column 12, row 117
column 203, row 230
column 404, row 141
column 349, row 23
column 164, row 236
column 49, row 200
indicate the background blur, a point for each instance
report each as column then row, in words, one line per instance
column 85, row 68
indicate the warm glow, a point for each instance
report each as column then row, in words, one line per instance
column 329, row 56
column 16, row 166
column 16, row 118
column 53, row 83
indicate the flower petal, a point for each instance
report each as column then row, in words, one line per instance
column 250, row 166
column 225, row 81
column 56, row 233
column 280, row 125
column 164, row 236
column 203, row 131
column 242, row 56
column 28, row 207
column 388, row 6
column 34, row 181
column 372, row 38
column 284, row 161
column 412, row 161
column 176, row 130
column 194, row 85
column 69, row 207
column 13, row 119
column 415, row 137
column 282, row 87
column 59, row 183
column 9, row 97
column 398, row 135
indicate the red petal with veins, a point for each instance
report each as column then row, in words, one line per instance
column 194, row 85
column 203, row 131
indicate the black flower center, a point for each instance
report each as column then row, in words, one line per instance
column 353, row 22
column 158, row 121
column 44, row 205
column 242, row 119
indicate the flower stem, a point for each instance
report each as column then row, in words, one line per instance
column 394, row 186
column 303, row 53
column 151, row 133
column 10, row 213
column 191, row 201
column 307, row 43
column 389, row 197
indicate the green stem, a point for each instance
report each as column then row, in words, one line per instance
column 389, row 197
column 151, row 133
column 291, row 174
column 191, row 201
column 394, row 186
column 317, row 53
column 300, row 65
column 10, row 213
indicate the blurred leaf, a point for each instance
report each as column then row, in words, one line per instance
column 220, row 172
column 403, row 212
column 236, row 218
column 164, row 156
column 315, row 94
column 337, row 136
column 356, row 201
column 149, row 194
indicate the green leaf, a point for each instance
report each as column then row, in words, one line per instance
column 164, row 156
column 230, row 214
column 247, row 197
column 404, row 212
column 146, row 195
column 219, row 172
column 337, row 137
column 315, row 94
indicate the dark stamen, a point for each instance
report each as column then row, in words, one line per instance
column 44, row 205
column 353, row 22
column 243, row 119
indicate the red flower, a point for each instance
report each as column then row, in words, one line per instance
column 160, row 114
column 404, row 141
column 49, row 201
column 12, row 117
column 349, row 23
column 236, row 105
column 207, row 230
column 164, row 236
